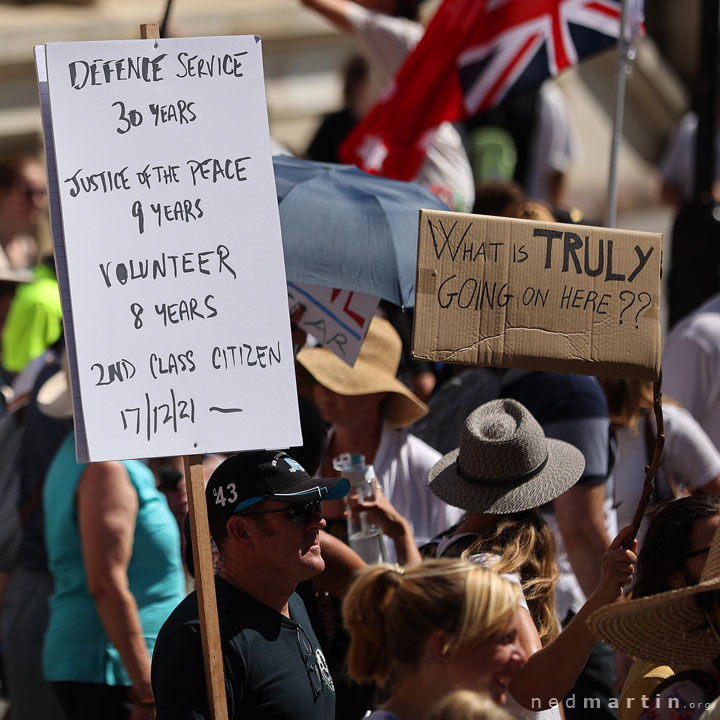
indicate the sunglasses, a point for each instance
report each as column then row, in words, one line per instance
column 298, row 513
column 310, row 661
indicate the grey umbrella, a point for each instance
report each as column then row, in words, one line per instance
column 345, row 228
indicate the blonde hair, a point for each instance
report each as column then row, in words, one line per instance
column 468, row 705
column 390, row 613
column 627, row 400
column 525, row 545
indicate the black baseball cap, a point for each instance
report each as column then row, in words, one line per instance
column 247, row 478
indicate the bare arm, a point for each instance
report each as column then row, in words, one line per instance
column 552, row 671
column 341, row 564
column 529, row 638
column 333, row 10
column 395, row 526
column 580, row 517
column 107, row 506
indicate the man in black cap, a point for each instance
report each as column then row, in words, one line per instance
column 264, row 514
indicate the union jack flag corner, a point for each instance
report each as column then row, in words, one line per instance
column 474, row 54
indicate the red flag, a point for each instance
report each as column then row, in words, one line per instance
column 473, row 54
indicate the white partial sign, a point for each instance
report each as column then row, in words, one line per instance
column 179, row 334
column 337, row 319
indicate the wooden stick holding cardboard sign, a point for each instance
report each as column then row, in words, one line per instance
column 202, row 556
column 205, row 585
column 654, row 466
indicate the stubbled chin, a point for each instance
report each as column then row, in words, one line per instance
column 313, row 555
column 313, row 562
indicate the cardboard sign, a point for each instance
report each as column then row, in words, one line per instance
column 175, row 295
column 337, row 319
column 539, row 296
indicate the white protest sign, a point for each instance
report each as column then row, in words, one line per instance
column 337, row 319
column 175, row 274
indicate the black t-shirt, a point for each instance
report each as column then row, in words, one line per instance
column 274, row 667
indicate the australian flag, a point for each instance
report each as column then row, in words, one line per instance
column 474, row 54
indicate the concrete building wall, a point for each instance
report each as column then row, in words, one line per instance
column 303, row 55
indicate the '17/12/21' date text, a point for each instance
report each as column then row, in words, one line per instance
column 152, row 417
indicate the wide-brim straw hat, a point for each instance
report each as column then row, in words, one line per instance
column 54, row 398
column 668, row 628
column 505, row 464
column 375, row 371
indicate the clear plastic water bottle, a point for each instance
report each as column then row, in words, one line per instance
column 365, row 538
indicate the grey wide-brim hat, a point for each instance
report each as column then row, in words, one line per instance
column 505, row 464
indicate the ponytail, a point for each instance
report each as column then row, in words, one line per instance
column 364, row 618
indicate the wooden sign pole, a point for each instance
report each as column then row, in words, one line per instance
column 205, row 586
column 202, row 556
column 651, row 469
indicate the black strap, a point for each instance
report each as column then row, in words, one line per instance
column 514, row 480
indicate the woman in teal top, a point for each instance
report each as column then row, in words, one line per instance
column 114, row 552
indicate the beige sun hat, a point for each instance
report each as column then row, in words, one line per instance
column 54, row 398
column 505, row 464
column 375, row 371
column 668, row 628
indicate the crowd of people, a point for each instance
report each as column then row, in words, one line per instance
column 492, row 602
column 506, row 580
